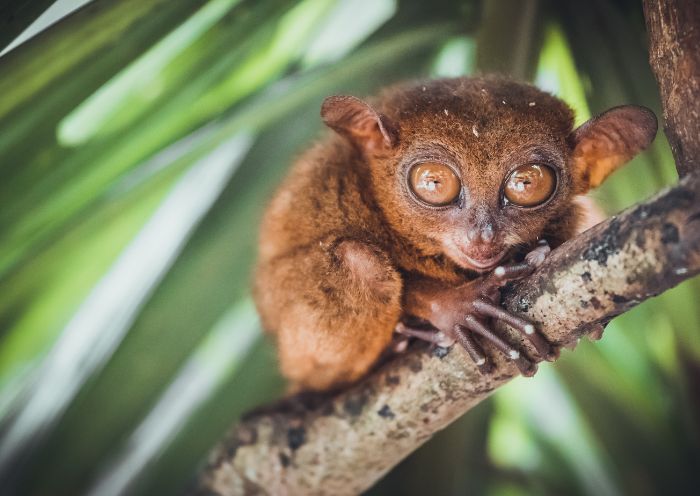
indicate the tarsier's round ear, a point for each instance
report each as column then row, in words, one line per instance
column 606, row 142
column 359, row 122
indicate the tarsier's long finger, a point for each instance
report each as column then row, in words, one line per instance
column 509, row 272
column 399, row 344
column 473, row 324
column 473, row 349
column 524, row 326
column 434, row 337
column 525, row 366
column 533, row 259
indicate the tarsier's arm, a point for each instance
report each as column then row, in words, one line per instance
column 460, row 176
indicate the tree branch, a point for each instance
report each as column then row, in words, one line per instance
column 674, row 55
column 342, row 444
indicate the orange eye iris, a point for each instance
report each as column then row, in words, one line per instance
column 435, row 184
column 530, row 185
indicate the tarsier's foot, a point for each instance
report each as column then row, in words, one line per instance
column 464, row 313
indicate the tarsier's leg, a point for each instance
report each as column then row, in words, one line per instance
column 462, row 313
column 332, row 307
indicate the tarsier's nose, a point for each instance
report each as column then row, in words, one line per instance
column 481, row 234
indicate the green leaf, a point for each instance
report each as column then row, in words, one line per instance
column 17, row 15
column 118, row 31
column 106, row 315
column 216, row 358
column 79, row 178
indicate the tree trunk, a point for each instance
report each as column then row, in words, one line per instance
column 674, row 55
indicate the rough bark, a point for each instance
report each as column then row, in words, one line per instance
column 342, row 444
column 674, row 55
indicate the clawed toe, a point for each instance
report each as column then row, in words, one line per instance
column 524, row 326
column 434, row 337
column 473, row 324
column 506, row 273
column 466, row 339
column 475, row 352
column 399, row 344
column 533, row 259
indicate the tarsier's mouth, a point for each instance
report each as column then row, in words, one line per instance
column 482, row 263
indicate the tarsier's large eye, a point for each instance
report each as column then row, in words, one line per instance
column 434, row 183
column 530, row 185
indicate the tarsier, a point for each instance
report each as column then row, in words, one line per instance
column 415, row 212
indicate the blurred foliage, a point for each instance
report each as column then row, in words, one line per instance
column 16, row 16
column 139, row 142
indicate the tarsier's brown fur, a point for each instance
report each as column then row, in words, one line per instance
column 346, row 252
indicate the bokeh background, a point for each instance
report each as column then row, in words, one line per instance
column 139, row 143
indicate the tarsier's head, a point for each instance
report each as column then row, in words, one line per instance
column 475, row 168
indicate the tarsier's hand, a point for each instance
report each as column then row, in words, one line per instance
column 461, row 314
